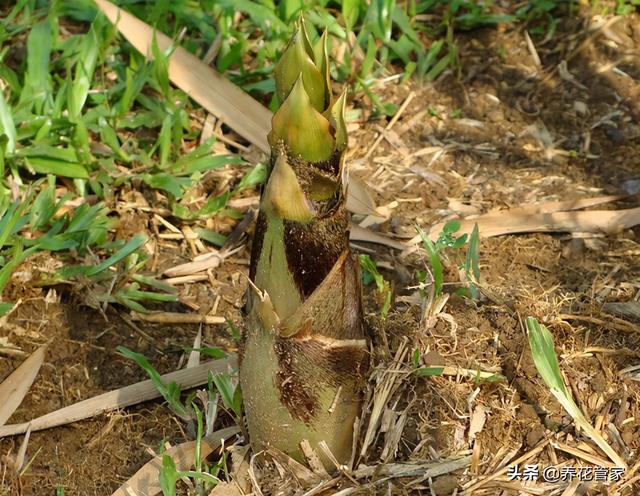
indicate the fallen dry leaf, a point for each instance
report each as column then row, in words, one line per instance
column 556, row 216
column 14, row 388
column 357, row 233
column 120, row 398
column 359, row 199
column 625, row 309
column 594, row 221
column 478, row 419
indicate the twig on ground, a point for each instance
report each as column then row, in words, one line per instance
column 178, row 318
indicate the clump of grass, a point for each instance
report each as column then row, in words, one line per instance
column 449, row 242
column 72, row 141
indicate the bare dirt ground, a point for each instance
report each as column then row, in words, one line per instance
column 503, row 132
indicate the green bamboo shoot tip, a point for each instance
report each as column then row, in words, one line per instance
column 303, row 129
column 295, row 61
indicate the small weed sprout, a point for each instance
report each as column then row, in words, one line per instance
column 170, row 392
column 432, row 277
column 371, row 274
column 230, row 393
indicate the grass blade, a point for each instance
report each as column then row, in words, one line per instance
column 546, row 361
column 170, row 392
column 132, row 245
column 472, row 268
column 7, row 126
column 434, row 260
column 43, row 165
column 38, row 87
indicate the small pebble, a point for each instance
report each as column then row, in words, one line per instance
column 580, row 107
column 613, row 133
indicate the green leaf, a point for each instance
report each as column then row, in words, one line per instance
column 229, row 393
column 210, row 236
column 434, row 260
column 43, row 208
column 472, row 268
column 85, row 67
column 161, row 66
column 87, row 217
column 168, row 476
column 370, row 58
column 166, row 182
column 209, row 351
column 135, row 81
column 10, row 219
column 5, row 308
column 544, row 356
column 164, row 140
column 546, row 361
column 371, row 269
column 43, row 133
column 350, row 13
column 205, row 163
column 16, row 257
column 132, row 245
column 257, row 175
column 170, row 392
column 263, row 16
column 7, row 126
column 109, row 137
column 42, row 165
column 451, row 227
column 386, row 306
column 51, row 152
column 79, row 10
column 214, row 204
column 37, row 79
column 289, row 8
column 155, row 283
column 459, row 241
column 129, row 303
column 429, row 371
column 136, row 294
column 440, row 66
column 415, row 357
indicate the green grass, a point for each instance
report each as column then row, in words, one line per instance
column 82, row 117
column 546, row 361
column 371, row 274
column 439, row 252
